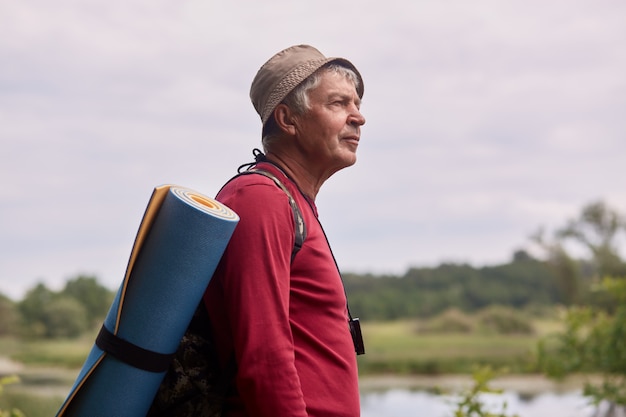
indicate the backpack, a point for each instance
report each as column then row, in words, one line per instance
column 194, row 384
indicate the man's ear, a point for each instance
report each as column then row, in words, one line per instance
column 285, row 119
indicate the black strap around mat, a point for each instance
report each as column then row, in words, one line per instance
column 132, row 354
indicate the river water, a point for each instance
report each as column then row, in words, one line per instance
column 524, row 396
column 405, row 403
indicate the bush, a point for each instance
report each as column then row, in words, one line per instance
column 593, row 341
column 450, row 321
column 504, row 320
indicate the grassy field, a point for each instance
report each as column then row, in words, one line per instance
column 390, row 347
column 397, row 347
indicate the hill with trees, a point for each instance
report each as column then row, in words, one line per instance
column 526, row 282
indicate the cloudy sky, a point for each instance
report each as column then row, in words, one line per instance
column 485, row 120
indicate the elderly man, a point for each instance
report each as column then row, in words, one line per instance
column 284, row 318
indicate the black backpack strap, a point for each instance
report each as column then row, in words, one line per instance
column 247, row 168
column 300, row 234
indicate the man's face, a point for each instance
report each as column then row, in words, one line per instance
column 329, row 131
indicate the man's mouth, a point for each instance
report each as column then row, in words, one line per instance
column 352, row 139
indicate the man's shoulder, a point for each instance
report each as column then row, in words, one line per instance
column 256, row 177
column 245, row 179
column 252, row 190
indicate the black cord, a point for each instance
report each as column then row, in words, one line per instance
column 259, row 156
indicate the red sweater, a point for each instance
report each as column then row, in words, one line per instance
column 286, row 322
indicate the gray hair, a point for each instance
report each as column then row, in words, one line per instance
column 298, row 98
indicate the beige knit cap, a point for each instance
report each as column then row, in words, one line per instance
column 285, row 71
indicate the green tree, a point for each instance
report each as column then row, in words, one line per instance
column 595, row 328
column 597, row 228
column 95, row 298
column 8, row 316
column 64, row 317
column 67, row 313
column 565, row 268
column 32, row 309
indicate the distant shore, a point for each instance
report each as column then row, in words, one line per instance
column 523, row 384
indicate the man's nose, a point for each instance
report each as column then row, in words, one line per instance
column 356, row 118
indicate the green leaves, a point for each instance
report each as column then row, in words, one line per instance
column 594, row 341
column 470, row 403
column 7, row 381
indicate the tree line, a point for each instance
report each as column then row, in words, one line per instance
column 526, row 282
column 80, row 306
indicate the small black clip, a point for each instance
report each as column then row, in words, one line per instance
column 357, row 337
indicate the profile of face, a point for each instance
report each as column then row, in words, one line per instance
column 329, row 131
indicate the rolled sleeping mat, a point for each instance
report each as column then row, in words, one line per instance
column 180, row 241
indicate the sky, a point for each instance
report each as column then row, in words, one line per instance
column 486, row 120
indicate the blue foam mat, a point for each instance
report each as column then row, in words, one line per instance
column 180, row 241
